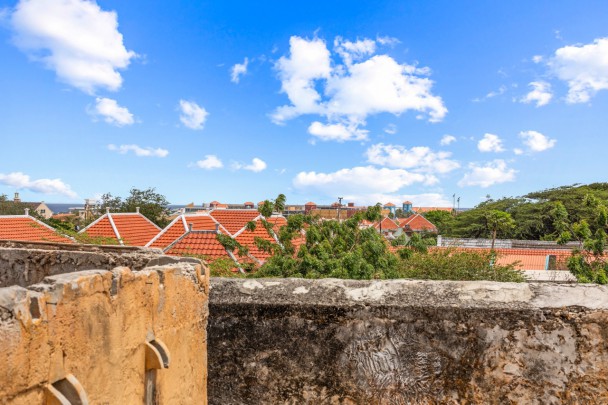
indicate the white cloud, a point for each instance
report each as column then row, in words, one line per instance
column 139, row 151
column 337, row 132
column 239, row 70
column 360, row 180
column 447, row 139
column 391, row 129
column 111, row 112
column 490, row 143
column 364, row 85
column 419, row 158
column 540, row 94
column 518, row 151
column 45, row 186
column 583, row 67
column 537, row 142
column 192, row 115
column 74, row 38
column 386, row 40
column 494, row 93
column 353, row 51
column 210, row 162
column 488, row 174
column 537, row 58
column 257, row 165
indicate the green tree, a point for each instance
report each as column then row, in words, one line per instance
column 498, row 222
column 152, row 205
column 443, row 220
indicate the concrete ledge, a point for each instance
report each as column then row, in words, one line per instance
column 404, row 293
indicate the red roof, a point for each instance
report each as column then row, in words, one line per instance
column 390, row 204
column 422, row 210
column 202, row 243
column 180, row 226
column 234, row 220
column 407, row 202
column 247, row 238
column 417, row 223
column 131, row 229
column 27, row 229
column 310, row 203
column 529, row 259
column 387, row 224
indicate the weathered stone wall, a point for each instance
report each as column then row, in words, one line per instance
column 293, row 341
column 94, row 325
column 26, row 263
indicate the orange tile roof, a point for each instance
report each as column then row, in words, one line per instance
column 390, row 204
column 202, row 243
column 529, row 259
column 247, row 238
column 28, row 229
column 180, row 226
column 387, row 224
column 417, row 223
column 133, row 228
column 234, row 220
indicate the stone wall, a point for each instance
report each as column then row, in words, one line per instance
column 26, row 263
column 405, row 342
column 114, row 336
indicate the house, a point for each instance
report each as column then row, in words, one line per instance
column 416, row 223
column 386, row 225
column 26, row 228
column 17, row 206
column 181, row 225
column 198, row 242
column 126, row 228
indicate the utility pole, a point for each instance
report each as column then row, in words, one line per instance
column 339, row 207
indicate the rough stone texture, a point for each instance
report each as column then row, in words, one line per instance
column 23, row 263
column 94, row 325
column 294, row 341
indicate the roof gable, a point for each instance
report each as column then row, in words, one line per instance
column 180, row 226
column 131, row 229
column 234, row 220
column 28, row 229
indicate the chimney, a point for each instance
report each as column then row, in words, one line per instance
column 17, row 198
column 27, row 211
column 190, row 226
column 351, row 205
column 217, row 228
column 137, row 210
column 107, row 210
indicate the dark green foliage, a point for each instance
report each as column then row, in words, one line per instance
column 446, row 264
column 332, row 249
column 9, row 207
column 443, row 220
column 152, row 205
column 533, row 214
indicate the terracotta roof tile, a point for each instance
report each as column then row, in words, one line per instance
column 247, row 238
column 202, row 243
column 387, row 224
column 28, row 229
column 134, row 229
column 529, row 259
column 417, row 223
column 179, row 226
column 234, row 220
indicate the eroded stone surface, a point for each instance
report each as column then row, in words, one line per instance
column 94, row 324
column 397, row 342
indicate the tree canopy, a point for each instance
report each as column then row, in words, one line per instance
column 152, row 205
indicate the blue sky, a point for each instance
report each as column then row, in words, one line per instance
column 236, row 101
